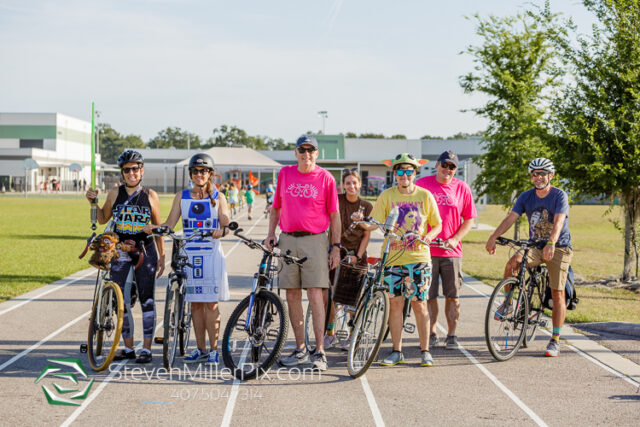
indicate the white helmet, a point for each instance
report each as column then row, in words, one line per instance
column 542, row 164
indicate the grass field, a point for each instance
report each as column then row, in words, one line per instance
column 41, row 238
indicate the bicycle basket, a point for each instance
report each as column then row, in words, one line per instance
column 348, row 283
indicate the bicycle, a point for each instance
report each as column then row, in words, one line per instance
column 177, row 312
column 508, row 326
column 107, row 316
column 257, row 328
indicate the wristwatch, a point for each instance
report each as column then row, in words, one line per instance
column 337, row 245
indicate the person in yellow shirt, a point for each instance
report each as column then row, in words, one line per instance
column 408, row 261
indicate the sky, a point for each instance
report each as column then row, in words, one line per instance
column 266, row 67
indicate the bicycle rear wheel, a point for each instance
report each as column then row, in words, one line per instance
column 172, row 307
column 105, row 326
column 505, row 319
column 368, row 331
column 250, row 350
column 185, row 328
column 536, row 295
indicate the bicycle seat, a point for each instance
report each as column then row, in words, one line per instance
column 371, row 260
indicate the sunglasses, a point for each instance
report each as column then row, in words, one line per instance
column 303, row 150
column 542, row 173
column 134, row 169
column 349, row 170
column 408, row 155
column 448, row 165
column 199, row 171
column 407, row 172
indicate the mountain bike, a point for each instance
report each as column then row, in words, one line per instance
column 257, row 329
column 515, row 307
column 107, row 316
column 177, row 312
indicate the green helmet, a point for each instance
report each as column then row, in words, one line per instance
column 406, row 158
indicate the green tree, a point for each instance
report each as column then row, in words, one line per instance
column 174, row 137
column 112, row 143
column 427, row 136
column 598, row 116
column 350, row 135
column 515, row 68
column 398, row 136
column 371, row 135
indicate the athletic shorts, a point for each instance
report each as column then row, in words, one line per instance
column 558, row 266
column 450, row 270
column 314, row 272
column 410, row 280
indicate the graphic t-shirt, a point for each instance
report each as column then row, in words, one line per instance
column 132, row 217
column 541, row 212
column 455, row 203
column 351, row 237
column 417, row 211
column 306, row 199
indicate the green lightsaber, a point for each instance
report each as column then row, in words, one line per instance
column 94, row 202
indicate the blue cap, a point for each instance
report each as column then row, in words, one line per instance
column 307, row 140
column 448, row 156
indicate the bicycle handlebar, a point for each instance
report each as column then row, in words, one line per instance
column 540, row 243
column 436, row 243
column 275, row 252
column 166, row 231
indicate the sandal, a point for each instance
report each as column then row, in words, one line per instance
column 144, row 357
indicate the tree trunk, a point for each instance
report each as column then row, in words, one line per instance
column 631, row 207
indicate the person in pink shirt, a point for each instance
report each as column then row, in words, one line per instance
column 457, row 210
column 305, row 204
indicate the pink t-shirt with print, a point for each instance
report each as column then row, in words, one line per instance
column 306, row 199
column 455, row 203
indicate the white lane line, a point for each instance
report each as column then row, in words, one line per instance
column 582, row 353
column 375, row 411
column 55, row 288
column 45, row 339
column 497, row 382
column 235, row 389
column 104, row 383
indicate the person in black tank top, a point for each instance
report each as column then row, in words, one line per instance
column 133, row 207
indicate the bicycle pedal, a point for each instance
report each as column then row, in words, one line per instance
column 342, row 335
column 542, row 323
column 409, row 328
column 158, row 340
column 83, row 348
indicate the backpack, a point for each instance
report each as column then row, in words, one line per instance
column 569, row 293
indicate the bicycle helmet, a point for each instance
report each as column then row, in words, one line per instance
column 202, row 160
column 405, row 158
column 130, row 156
column 542, row 163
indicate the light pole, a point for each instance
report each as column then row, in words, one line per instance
column 324, row 115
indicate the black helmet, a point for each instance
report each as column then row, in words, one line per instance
column 130, row 156
column 202, row 160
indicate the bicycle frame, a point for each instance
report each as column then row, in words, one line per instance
column 265, row 272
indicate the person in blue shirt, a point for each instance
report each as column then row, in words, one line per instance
column 547, row 209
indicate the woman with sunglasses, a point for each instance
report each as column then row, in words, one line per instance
column 409, row 261
column 203, row 208
column 133, row 207
column 354, row 240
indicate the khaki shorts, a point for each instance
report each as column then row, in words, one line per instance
column 450, row 270
column 558, row 266
column 314, row 273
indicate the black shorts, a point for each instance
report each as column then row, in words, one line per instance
column 450, row 270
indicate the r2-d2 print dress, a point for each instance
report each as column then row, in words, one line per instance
column 207, row 281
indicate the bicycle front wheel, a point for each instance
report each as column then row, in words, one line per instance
column 105, row 327
column 255, row 335
column 505, row 319
column 171, row 322
column 185, row 328
column 368, row 332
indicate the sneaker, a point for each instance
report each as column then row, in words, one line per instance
column 212, row 357
column 344, row 344
column 298, row 357
column 451, row 343
column 433, row 340
column 125, row 354
column 426, row 359
column 553, row 349
column 196, row 356
column 144, row 356
column 504, row 310
column 329, row 341
column 319, row 362
column 249, row 217
column 395, row 358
